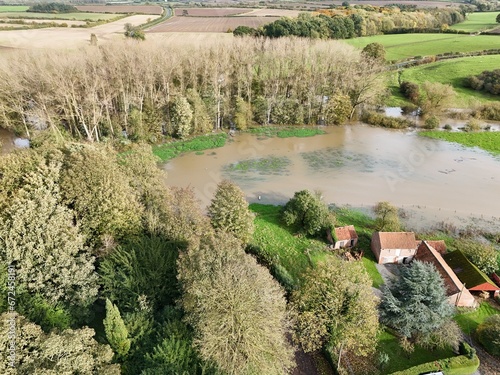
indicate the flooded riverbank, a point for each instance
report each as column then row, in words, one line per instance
column 356, row 165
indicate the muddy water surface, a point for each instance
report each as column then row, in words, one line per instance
column 358, row 165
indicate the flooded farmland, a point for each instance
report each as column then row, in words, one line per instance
column 359, row 165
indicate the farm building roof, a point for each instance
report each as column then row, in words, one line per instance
column 440, row 246
column 346, row 233
column 427, row 253
column 397, row 240
column 468, row 273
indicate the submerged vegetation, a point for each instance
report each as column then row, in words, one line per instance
column 486, row 140
column 170, row 150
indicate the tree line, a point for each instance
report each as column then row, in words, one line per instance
column 346, row 23
column 145, row 91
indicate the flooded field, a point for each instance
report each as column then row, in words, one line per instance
column 358, row 165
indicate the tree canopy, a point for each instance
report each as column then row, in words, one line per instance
column 306, row 212
column 387, row 217
column 416, row 303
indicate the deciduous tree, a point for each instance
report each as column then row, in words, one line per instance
column 484, row 256
column 229, row 211
column 307, row 212
column 387, row 219
column 488, row 333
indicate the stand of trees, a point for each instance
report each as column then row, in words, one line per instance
column 148, row 90
column 52, row 8
column 355, row 22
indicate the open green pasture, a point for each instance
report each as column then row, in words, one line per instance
column 470, row 320
column 453, row 72
column 63, row 16
column 489, row 141
column 13, row 8
column 478, row 22
column 402, row 46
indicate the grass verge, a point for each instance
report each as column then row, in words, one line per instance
column 286, row 132
column 169, row 151
column 488, row 141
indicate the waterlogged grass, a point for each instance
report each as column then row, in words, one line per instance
column 399, row 360
column 402, row 46
column 321, row 161
column 270, row 165
column 453, row 72
column 169, row 151
column 477, row 22
column 280, row 246
column 468, row 321
column 286, row 132
column 364, row 228
column 489, row 141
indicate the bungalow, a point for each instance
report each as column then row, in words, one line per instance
column 345, row 237
column 457, row 294
column 469, row 274
column 393, row 247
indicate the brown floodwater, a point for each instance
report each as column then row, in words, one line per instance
column 6, row 141
column 355, row 165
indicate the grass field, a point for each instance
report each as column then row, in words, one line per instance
column 452, row 72
column 63, row 16
column 402, row 46
column 169, row 151
column 489, row 141
column 477, row 22
column 13, row 8
column 209, row 24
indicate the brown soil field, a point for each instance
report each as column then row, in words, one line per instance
column 209, row 24
column 211, row 12
column 144, row 9
column 419, row 4
column 272, row 13
column 67, row 38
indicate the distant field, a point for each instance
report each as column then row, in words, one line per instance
column 38, row 20
column 418, row 3
column 271, row 13
column 144, row 9
column 62, row 16
column 477, row 22
column 453, row 72
column 209, row 24
column 13, row 8
column 211, row 12
column 401, row 46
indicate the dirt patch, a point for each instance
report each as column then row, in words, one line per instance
column 144, row 9
column 211, row 12
column 209, row 24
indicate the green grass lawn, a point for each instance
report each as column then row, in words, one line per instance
column 169, row 151
column 364, row 228
column 478, row 22
column 280, row 245
column 399, row 360
column 63, row 16
column 402, row 46
column 468, row 321
column 489, row 141
column 451, row 72
column 13, row 8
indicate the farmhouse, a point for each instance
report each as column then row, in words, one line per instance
column 469, row 274
column 345, row 237
column 393, row 247
column 457, row 294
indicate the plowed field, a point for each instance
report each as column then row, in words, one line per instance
column 209, row 24
column 144, row 9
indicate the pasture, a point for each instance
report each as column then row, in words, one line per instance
column 139, row 9
column 453, row 72
column 403, row 46
column 477, row 22
column 62, row 16
column 209, row 24
column 210, row 12
column 13, row 8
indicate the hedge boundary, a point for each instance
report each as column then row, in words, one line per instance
column 460, row 365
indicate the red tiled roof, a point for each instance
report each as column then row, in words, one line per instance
column 439, row 246
column 397, row 240
column 346, row 233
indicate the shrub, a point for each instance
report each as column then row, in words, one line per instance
column 377, row 119
column 488, row 334
column 447, row 127
column 467, row 350
column 488, row 81
column 473, row 125
column 410, row 91
column 490, row 111
column 432, row 122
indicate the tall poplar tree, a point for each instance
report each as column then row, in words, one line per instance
column 116, row 332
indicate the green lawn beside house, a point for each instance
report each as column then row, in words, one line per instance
column 470, row 320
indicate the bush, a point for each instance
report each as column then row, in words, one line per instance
column 447, row 127
column 488, row 334
column 473, row 125
column 466, row 350
column 410, row 91
column 460, row 365
column 490, row 111
column 282, row 275
column 432, row 122
column 488, row 81
column 377, row 119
